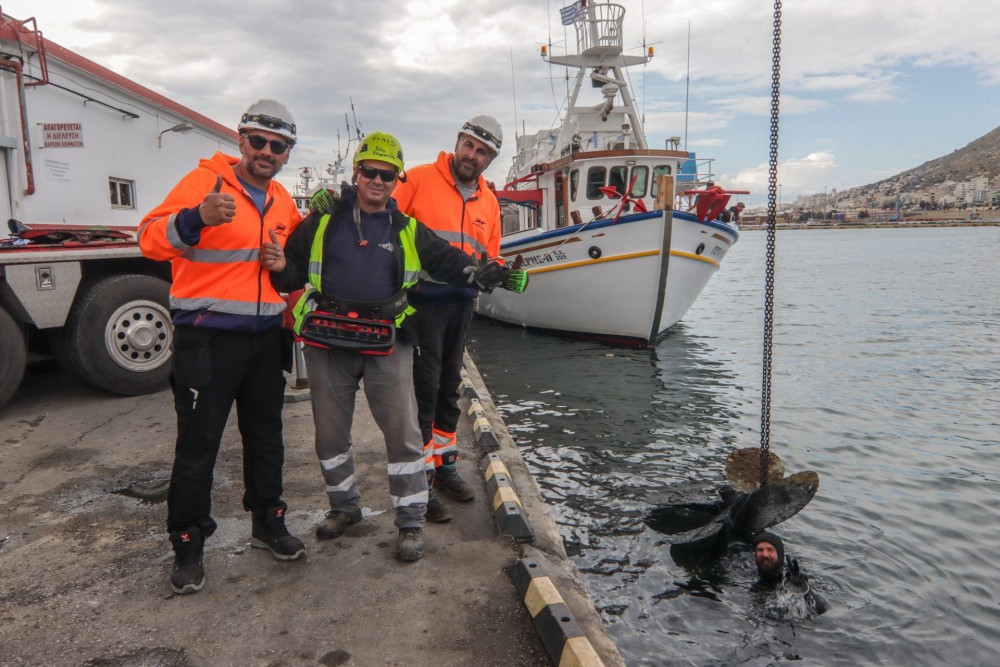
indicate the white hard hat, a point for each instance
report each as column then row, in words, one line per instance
column 485, row 128
column 269, row 115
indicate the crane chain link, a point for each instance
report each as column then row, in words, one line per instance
column 772, row 182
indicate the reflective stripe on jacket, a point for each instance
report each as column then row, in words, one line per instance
column 309, row 301
column 220, row 272
column 430, row 195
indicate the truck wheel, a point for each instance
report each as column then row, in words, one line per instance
column 59, row 344
column 118, row 334
column 13, row 356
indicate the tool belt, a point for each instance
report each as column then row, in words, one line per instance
column 348, row 333
column 364, row 327
column 388, row 309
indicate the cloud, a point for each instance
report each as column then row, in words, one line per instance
column 761, row 106
column 815, row 172
column 419, row 69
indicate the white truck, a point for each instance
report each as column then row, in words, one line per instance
column 84, row 153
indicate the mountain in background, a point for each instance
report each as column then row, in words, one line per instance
column 979, row 158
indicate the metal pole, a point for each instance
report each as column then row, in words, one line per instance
column 301, row 376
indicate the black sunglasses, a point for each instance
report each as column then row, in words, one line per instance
column 387, row 175
column 258, row 142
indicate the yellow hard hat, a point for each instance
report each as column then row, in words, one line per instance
column 380, row 146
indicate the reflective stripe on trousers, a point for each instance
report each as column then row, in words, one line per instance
column 334, row 379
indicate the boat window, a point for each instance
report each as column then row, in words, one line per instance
column 574, row 181
column 595, row 181
column 659, row 170
column 515, row 218
column 640, row 181
column 616, row 179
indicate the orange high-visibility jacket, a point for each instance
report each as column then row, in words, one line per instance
column 429, row 194
column 221, row 272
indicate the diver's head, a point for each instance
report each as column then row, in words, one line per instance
column 769, row 554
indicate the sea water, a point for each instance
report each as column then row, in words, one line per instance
column 886, row 382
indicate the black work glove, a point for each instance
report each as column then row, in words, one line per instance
column 487, row 275
column 795, row 576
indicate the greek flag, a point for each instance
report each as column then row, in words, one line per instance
column 573, row 13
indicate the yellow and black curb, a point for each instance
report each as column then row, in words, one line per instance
column 562, row 637
column 467, row 389
column 485, row 437
column 561, row 634
column 507, row 508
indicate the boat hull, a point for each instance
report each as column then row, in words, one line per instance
column 625, row 282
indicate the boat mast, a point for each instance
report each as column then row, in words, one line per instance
column 600, row 50
column 687, row 89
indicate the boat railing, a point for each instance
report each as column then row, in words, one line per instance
column 600, row 34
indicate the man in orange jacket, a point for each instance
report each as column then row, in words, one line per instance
column 228, row 341
column 451, row 197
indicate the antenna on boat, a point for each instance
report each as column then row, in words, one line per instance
column 513, row 89
column 687, row 89
column 357, row 127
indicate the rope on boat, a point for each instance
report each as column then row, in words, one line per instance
column 772, row 181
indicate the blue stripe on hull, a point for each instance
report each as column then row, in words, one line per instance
column 624, row 220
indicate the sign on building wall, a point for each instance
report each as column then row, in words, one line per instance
column 57, row 171
column 62, row 135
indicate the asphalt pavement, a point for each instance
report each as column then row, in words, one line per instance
column 85, row 564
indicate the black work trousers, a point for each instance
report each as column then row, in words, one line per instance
column 437, row 369
column 211, row 370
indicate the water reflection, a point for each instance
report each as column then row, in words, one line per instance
column 881, row 362
column 615, row 424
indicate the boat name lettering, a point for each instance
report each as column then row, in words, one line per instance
column 717, row 251
column 547, row 258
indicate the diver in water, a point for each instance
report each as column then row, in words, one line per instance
column 794, row 596
column 769, row 555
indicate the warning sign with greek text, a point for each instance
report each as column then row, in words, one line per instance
column 62, row 135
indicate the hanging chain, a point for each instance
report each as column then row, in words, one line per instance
column 772, row 183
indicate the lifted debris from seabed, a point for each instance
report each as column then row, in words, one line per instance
column 702, row 524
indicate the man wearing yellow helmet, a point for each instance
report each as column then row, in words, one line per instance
column 358, row 260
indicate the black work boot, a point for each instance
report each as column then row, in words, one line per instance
column 437, row 511
column 188, row 575
column 335, row 523
column 269, row 532
column 410, row 544
column 446, row 479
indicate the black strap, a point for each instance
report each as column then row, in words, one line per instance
column 388, row 309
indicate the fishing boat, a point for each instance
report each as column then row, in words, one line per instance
column 590, row 208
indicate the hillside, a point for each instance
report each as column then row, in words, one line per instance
column 979, row 158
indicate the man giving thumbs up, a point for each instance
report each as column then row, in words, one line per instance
column 223, row 228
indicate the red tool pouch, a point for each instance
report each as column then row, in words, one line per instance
column 348, row 332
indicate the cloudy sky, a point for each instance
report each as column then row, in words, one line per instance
column 869, row 89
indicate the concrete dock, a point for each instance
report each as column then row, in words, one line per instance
column 85, row 565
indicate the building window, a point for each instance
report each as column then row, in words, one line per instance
column 122, row 193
